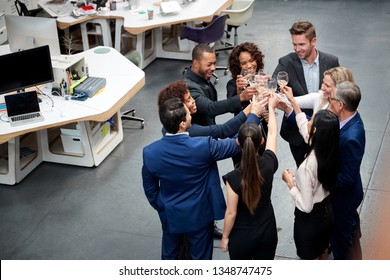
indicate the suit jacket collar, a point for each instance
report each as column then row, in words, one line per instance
column 298, row 65
column 206, row 86
column 352, row 121
column 174, row 137
column 195, row 77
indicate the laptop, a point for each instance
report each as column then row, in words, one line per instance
column 23, row 108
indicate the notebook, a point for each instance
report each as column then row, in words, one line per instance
column 23, row 108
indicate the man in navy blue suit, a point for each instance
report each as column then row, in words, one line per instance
column 181, row 181
column 305, row 67
column 348, row 193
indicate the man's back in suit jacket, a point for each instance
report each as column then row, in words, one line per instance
column 181, row 180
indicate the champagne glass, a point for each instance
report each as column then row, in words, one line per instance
column 282, row 78
column 261, row 76
column 248, row 75
column 272, row 86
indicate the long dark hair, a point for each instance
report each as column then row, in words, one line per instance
column 324, row 140
column 250, row 137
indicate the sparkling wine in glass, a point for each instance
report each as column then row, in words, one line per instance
column 282, row 78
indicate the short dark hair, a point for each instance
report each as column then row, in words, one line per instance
column 172, row 112
column 349, row 93
column 199, row 49
column 303, row 27
column 174, row 90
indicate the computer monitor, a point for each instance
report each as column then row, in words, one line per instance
column 30, row 32
column 25, row 69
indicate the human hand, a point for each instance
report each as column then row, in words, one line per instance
column 283, row 106
column 273, row 101
column 288, row 92
column 265, row 116
column 241, row 83
column 223, row 244
column 258, row 105
column 288, row 178
column 247, row 94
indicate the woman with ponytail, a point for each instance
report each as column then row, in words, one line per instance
column 250, row 226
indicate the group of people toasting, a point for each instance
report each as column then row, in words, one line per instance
column 318, row 99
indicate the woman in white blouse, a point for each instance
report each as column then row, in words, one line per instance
column 315, row 100
column 311, row 185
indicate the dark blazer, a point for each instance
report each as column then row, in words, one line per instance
column 206, row 99
column 348, row 193
column 225, row 130
column 181, row 180
column 293, row 66
column 221, row 131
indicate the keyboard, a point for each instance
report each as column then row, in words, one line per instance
column 26, row 118
column 61, row 9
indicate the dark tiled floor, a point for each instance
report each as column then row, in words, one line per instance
column 68, row 212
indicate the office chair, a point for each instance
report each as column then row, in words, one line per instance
column 208, row 34
column 239, row 14
column 136, row 58
column 22, row 10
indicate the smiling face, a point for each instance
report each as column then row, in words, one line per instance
column 304, row 47
column 205, row 66
column 247, row 62
column 189, row 102
column 328, row 87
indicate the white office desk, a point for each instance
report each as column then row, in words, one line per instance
column 136, row 22
column 124, row 80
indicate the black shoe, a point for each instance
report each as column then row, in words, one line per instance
column 217, row 232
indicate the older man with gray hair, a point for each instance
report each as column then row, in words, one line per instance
column 348, row 193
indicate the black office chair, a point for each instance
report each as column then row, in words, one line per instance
column 22, row 10
column 136, row 58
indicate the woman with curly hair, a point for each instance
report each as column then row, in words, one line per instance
column 244, row 56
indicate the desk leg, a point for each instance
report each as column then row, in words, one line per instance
column 16, row 162
column 160, row 52
column 104, row 145
column 84, row 35
column 106, row 32
column 118, row 33
column 25, row 164
column 8, row 164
